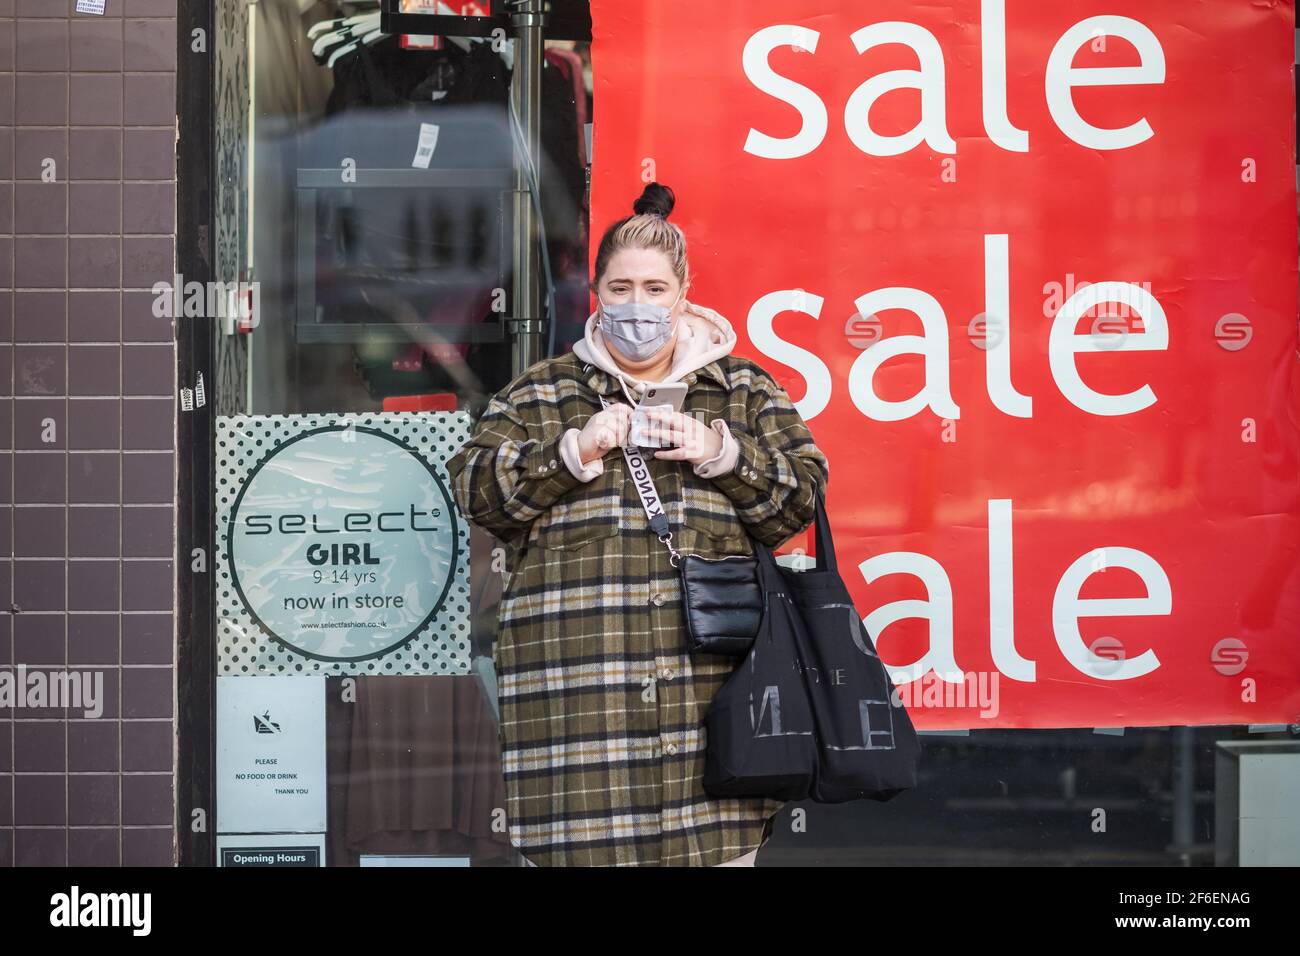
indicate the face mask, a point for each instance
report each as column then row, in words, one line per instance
column 638, row 329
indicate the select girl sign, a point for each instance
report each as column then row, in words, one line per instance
column 341, row 544
column 1030, row 273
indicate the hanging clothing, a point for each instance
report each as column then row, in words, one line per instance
column 423, row 83
column 414, row 254
column 414, row 769
column 601, row 704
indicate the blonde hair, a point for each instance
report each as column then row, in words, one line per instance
column 647, row 228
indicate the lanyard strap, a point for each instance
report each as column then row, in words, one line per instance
column 645, row 488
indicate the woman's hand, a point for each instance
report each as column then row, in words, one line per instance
column 605, row 430
column 693, row 440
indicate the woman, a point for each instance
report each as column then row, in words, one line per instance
column 602, row 706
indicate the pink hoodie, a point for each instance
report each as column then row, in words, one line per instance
column 705, row 337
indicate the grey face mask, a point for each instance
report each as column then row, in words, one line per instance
column 637, row 329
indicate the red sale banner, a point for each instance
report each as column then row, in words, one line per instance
column 1029, row 271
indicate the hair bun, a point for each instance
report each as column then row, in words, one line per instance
column 655, row 200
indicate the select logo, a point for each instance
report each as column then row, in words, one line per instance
column 102, row 909
column 342, row 543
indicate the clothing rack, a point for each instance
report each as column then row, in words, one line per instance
column 528, row 23
column 565, row 20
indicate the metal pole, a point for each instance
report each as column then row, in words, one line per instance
column 526, row 325
column 1184, row 794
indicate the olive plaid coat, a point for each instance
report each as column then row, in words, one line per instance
column 601, row 704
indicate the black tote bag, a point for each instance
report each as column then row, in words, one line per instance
column 811, row 712
column 759, row 727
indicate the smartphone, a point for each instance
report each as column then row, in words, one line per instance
column 672, row 394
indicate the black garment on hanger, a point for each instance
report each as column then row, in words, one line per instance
column 421, row 255
column 385, row 76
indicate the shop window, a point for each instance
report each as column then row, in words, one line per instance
column 364, row 207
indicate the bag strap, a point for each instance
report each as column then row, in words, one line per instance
column 822, row 539
column 650, row 501
column 645, row 488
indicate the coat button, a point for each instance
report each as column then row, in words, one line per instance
column 668, row 673
column 658, row 600
column 670, row 749
column 552, row 464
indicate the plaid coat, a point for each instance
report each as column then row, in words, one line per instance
column 601, row 704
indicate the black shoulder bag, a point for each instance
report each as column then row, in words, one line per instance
column 720, row 596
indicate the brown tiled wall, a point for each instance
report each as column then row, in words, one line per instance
column 87, row 409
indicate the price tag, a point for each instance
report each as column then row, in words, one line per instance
column 428, row 140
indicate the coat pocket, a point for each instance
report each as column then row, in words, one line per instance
column 709, row 514
column 583, row 517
